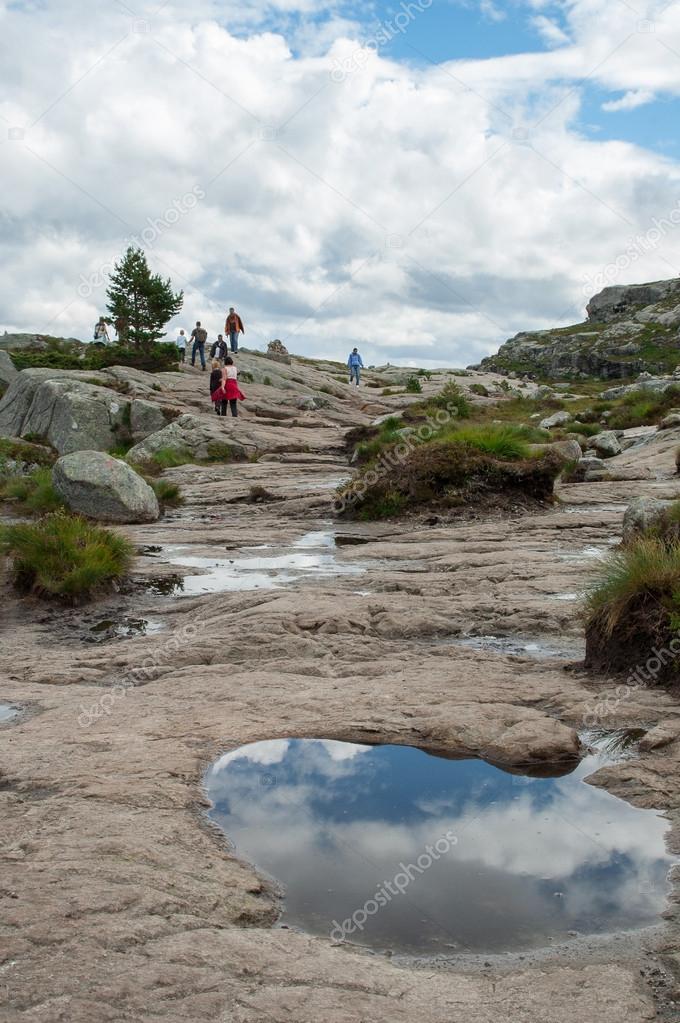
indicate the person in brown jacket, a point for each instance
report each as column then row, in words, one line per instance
column 232, row 328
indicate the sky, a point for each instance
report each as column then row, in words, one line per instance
column 421, row 178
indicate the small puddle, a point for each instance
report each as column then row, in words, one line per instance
column 121, row 628
column 520, row 647
column 389, row 847
column 586, row 554
column 8, row 713
column 313, row 555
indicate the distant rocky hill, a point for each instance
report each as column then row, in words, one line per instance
column 630, row 329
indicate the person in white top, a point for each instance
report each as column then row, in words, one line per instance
column 230, row 371
column 181, row 342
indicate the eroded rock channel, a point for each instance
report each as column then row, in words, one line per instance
column 451, row 638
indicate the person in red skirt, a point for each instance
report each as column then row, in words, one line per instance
column 228, row 393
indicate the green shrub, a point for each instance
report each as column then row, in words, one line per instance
column 413, row 386
column 585, row 429
column 450, row 399
column 505, row 442
column 643, row 408
column 155, row 358
column 170, row 458
column 378, row 438
column 33, row 494
column 447, row 473
column 169, row 494
column 479, row 389
column 24, row 451
column 268, row 382
column 634, row 607
column 64, row 556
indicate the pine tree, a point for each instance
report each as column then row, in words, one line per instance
column 140, row 303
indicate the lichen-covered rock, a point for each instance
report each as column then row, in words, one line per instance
column 557, row 419
column 605, row 444
column 101, row 487
column 145, row 418
column 70, row 413
column 640, row 515
column 670, row 420
column 198, row 438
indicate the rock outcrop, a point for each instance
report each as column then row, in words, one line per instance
column 73, row 412
column 192, row 438
column 629, row 329
column 8, row 370
column 104, row 488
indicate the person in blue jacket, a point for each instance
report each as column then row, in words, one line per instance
column 355, row 366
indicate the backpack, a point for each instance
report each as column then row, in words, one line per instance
column 201, row 335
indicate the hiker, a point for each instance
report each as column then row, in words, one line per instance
column 181, row 343
column 101, row 334
column 355, row 366
column 216, row 391
column 219, row 349
column 232, row 328
column 232, row 391
column 199, row 335
column 120, row 326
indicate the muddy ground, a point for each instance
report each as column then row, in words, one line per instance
column 119, row 901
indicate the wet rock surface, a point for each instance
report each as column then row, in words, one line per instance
column 119, row 900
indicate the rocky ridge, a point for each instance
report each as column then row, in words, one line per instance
column 628, row 330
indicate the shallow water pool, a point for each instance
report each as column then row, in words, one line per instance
column 390, row 847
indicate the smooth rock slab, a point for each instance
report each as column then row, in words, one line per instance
column 101, row 487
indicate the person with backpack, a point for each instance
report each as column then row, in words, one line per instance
column 101, row 333
column 219, row 349
column 199, row 335
column 232, row 328
column 216, row 394
column 355, row 366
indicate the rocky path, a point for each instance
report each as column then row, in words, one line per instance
column 120, row 902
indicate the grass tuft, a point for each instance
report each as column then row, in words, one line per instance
column 64, row 556
column 33, row 494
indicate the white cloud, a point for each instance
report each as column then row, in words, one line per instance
column 549, row 30
column 629, row 101
column 423, row 213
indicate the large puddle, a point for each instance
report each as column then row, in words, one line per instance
column 392, row 848
column 262, row 567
